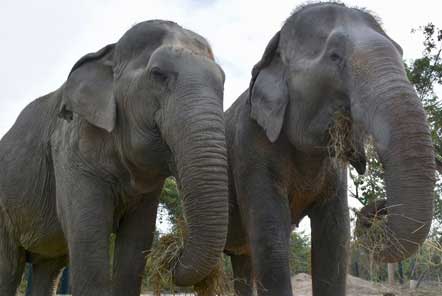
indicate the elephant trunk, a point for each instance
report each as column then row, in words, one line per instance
column 385, row 104
column 200, row 156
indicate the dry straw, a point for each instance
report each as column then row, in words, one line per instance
column 163, row 259
column 372, row 233
column 215, row 284
column 341, row 146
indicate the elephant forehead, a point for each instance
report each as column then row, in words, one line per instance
column 192, row 42
column 307, row 30
column 153, row 34
column 326, row 14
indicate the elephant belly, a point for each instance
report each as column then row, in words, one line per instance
column 237, row 242
column 299, row 203
column 33, row 219
column 41, row 233
column 52, row 244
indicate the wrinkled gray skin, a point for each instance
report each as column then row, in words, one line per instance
column 327, row 58
column 91, row 158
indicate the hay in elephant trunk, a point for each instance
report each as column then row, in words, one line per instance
column 216, row 283
column 373, row 235
column 163, row 258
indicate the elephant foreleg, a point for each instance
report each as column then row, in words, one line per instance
column 242, row 274
column 267, row 219
column 12, row 263
column 85, row 208
column 134, row 237
column 330, row 235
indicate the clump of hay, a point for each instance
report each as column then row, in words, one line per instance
column 372, row 233
column 216, row 284
column 341, row 147
column 163, row 259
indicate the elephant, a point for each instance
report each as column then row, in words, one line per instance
column 90, row 159
column 328, row 82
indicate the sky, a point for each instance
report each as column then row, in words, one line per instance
column 41, row 40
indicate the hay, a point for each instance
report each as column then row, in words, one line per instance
column 430, row 254
column 373, row 235
column 163, row 259
column 216, row 284
column 341, row 147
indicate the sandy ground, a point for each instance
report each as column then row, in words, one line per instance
column 355, row 287
column 359, row 287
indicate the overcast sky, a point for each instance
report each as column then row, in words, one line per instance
column 41, row 40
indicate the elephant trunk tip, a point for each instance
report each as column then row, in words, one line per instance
column 377, row 232
column 165, row 266
column 215, row 283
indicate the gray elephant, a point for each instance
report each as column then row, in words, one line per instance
column 330, row 70
column 91, row 157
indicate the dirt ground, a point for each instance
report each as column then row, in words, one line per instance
column 359, row 287
column 355, row 287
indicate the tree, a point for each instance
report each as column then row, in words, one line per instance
column 299, row 253
column 169, row 199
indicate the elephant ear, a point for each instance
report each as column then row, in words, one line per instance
column 268, row 91
column 88, row 91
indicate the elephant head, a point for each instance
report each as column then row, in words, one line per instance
column 159, row 93
column 329, row 59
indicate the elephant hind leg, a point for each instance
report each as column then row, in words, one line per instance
column 45, row 275
column 12, row 263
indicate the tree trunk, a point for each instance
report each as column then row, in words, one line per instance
column 391, row 268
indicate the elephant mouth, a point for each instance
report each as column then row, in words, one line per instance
column 343, row 145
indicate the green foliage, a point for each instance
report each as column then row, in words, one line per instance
column 427, row 70
column 299, row 253
column 169, row 199
column 425, row 73
column 370, row 186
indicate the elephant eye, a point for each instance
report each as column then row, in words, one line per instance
column 335, row 57
column 159, row 75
